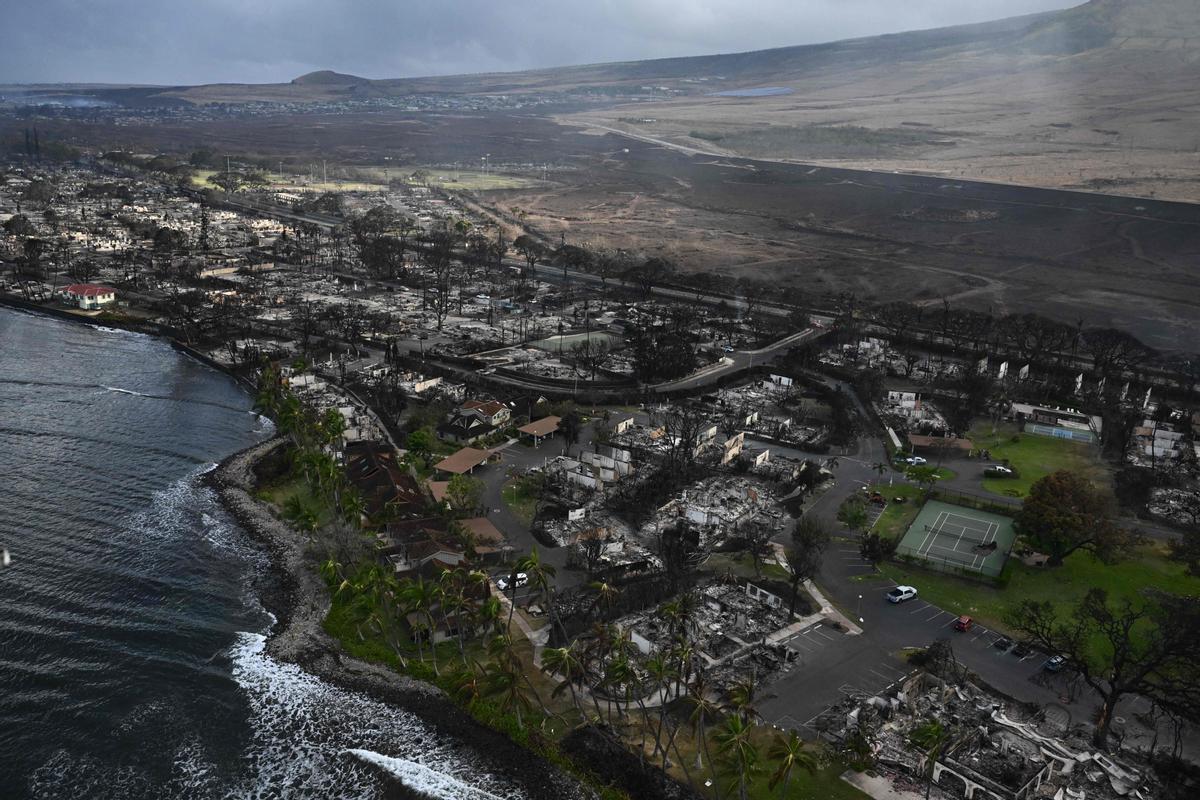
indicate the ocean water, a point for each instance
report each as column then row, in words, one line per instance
column 132, row 659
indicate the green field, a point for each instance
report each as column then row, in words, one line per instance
column 375, row 179
column 522, row 504
column 1063, row 587
column 896, row 518
column 1034, row 457
column 293, row 184
column 476, row 180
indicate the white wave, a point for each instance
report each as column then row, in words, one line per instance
column 423, row 779
column 117, row 331
column 125, row 391
column 302, row 729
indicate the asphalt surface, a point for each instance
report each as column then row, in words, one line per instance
column 833, row 664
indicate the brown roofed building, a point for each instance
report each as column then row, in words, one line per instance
column 386, row 487
column 463, row 462
column 474, row 420
column 935, row 444
column 546, row 426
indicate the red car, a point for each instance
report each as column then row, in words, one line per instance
column 963, row 623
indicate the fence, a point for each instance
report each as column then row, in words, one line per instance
column 1071, row 434
column 1008, row 506
column 991, row 567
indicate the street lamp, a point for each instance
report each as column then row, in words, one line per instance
column 860, row 619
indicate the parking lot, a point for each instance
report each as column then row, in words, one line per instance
column 831, row 664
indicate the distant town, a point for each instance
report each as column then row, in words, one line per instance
column 752, row 546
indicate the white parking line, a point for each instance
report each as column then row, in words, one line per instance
column 919, row 610
column 935, row 616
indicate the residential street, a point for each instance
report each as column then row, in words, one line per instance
column 832, row 663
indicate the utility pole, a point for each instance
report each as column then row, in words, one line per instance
column 324, row 173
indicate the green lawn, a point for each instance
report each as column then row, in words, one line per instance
column 825, row 784
column 1063, row 586
column 897, row 516
column 522, row 504
column 278, row 494
column 742, row 565
column 1034, row 457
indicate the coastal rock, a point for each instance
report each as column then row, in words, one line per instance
column 300, row 603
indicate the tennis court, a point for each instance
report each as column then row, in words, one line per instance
column 953, row 539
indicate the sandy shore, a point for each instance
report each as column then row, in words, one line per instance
column 300, row 603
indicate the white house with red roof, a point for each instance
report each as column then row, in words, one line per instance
column 90, row 296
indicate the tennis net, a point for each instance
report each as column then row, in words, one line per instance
column 965, row 534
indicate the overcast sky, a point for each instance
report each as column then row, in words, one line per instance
column 253, row 41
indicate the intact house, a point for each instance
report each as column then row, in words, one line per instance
column 474, row 420
column 89, row 296
column 387, row 489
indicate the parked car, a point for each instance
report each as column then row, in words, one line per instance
column 1003, row 643
column 1022, row 649
column 1055, row 664
column 1001, row 469
column 901, row 593
column 503, row 583
column 914, row 461
column 964, row 623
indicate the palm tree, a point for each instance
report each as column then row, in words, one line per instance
column 567, row 663
column 595, row 657
column 662, row 674
column 622, row 675
column 702, row 709
column 354, row 508
column 931, row 737
column 789, row 753
column 297, row 512
column 741, row 699
column 540, row 576
column 421, row 596
column 738, row 751
column 466, row 683
column 453, row 606
column 491, row 614
column 881, row 468
column 606, row 593
column 502, row 680
column 508, row 678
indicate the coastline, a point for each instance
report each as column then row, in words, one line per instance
column 300, row 605
column 299, row 600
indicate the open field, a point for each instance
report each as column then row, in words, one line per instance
column 896, row 517
column 1107, row 260
column 1062, row 587
column 375, row 179
column 1035, row 457
column 521, row 503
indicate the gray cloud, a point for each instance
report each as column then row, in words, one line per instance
column 205, row 41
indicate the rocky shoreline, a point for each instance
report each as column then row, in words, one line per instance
column 300, row 602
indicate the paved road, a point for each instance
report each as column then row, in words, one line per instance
column 521, row 458
column 835, row 664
